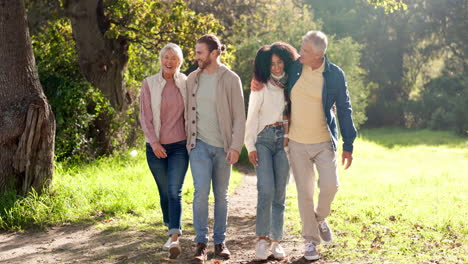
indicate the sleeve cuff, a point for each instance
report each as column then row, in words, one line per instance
column 348, row 147
column 250, row 148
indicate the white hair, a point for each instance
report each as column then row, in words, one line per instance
column 318, row 39
column 174, row 48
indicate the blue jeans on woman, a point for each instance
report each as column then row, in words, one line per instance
column 272, row 178
column 169, row 174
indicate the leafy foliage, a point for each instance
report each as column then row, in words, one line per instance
column 231, row 14
column 389, row 5
column 269, row 28
column 443, row 104
column 402, row 50
column 149, row 25
column 275, row 26
column 393, row 57
column 75, row 103
column 346, row 53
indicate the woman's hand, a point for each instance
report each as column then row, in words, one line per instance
column 286, row 146
column 159, row 150
column 253, row 158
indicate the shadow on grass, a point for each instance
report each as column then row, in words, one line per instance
column 397, row 137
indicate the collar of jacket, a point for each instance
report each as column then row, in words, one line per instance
column 326, row 68
column 160, row 78
column 222, row 69
column 327, row 64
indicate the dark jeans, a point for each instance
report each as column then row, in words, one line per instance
column 169, row 174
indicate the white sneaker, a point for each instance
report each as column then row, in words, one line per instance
column 310, row 252
column 261, row 249
column 277, row 250
column 174, row 249
column 167, row 245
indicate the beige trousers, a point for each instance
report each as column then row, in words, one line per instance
column 303, row 158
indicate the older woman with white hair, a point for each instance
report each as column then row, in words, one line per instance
column 162, row 117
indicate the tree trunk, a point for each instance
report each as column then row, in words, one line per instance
column 27, row 124
column 102, row 60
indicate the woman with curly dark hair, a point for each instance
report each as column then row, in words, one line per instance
column 265, row 139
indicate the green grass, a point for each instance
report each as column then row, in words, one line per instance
column 402, row 201
column 120, row 188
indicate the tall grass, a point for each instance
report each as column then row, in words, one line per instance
column 120, row 187
column 402, row 201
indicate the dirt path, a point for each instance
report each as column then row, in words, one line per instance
column 86, row 244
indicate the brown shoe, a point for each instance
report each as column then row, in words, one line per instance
column 222, row 251
column 200, row 254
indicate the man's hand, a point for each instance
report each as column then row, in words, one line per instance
column 232, row 156
column 256, row 85
column 348, row 157
column 159, row 150
column 253, row 158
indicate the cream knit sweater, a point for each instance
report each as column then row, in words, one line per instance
column 265, row 107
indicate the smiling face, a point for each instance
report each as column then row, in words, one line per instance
column 170, row 63
column 203, row 56
column 277, row 65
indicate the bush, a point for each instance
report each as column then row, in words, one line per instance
column 442, row 104
column 80, row 109
column 276, row 26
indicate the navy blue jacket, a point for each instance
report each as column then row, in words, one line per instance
column 334, row 91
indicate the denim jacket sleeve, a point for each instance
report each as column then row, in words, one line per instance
column 344, row 110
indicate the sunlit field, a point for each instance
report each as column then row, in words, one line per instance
column 402, row 201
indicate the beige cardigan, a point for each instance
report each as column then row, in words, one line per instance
column 229, row 107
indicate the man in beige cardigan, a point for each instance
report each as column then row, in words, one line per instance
column 215, row 130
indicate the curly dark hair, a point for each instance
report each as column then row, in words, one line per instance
column 262, row 64
column 287, row 53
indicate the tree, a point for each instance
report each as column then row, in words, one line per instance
column 276, row 26
column 233, row 14
column 446, row 26
column 113, row 45
column 389, row 5
column 105, row 29
column 404, row 50
column 27, row 125
column 102, row 60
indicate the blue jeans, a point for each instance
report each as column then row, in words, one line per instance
column 208, row 165
column 169, row 174
column 272, row 178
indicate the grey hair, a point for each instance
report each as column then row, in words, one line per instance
column 176, row 49
column 318, row 39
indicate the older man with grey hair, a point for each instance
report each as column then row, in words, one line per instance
column 315, row 85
